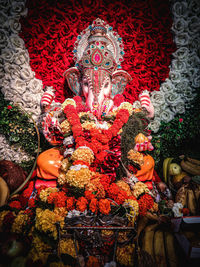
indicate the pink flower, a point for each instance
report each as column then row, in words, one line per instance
column 9, row 107
column 181, row 120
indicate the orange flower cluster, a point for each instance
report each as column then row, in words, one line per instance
column 57, row 198
column 81, row 204
column 145, row 202
column 117, row 194
column 70, row 203
column 104, row 206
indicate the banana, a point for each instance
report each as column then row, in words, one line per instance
column 141, row 225
column 190, row 167
column 166, row 164
column 159, row 249
column 147, row 242
column 4, row 192
column 194, row 161
column 170, row 245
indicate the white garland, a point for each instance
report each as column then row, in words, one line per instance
column 178, row 90
column 19, row 85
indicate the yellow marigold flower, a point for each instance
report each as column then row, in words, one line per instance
column 68, row 101
column 67, row 246
column 123, row 236
column 78, row 178
column 88, row 125
column 136, row 157
column 83, row 113
column 60, row 211
column 46, row 221
column 107, row 233
column 134, row 209
column 95, row 186
column 65, row 127
column 62, row 178
column 126, row 105
column 2, row 215
column 64, row 165
column 140, row 188
column 84, row 154
column 124, row 186
column 39, row 250
column 46, row 192
column 125, row 255
column 19, row 222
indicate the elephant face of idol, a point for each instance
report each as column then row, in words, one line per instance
column 98, row 75
column 97, row 86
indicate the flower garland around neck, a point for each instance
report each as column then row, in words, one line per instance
column 99, row 137
column 91, row 145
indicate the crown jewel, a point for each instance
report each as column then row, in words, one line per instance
column 99, row 46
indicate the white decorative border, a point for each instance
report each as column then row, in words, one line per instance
column 19, row 85
column 17, row 80
column 178, row 90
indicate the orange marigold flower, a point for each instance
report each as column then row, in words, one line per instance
column 104, row 206
column 70, row 203
column 81, row 204
column 89, row 195
column 93, row 205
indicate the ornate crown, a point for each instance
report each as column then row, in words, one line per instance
column 98, row 46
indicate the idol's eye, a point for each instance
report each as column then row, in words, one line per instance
column 85, row 83
column 106, row 85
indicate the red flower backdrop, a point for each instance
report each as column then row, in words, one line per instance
column 52, row 27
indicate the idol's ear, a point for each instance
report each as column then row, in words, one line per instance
column 120, row 78
column 73, row 79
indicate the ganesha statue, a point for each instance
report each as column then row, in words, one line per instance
column 88, row 126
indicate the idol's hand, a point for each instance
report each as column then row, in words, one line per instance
column 146, row 103
column 47, row 98
column 144, row 146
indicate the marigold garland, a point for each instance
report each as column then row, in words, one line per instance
column 19, row 222
column 81, row 204
column 93, row 206
column 140, row 188
column 134, row 209
column 124, row 186
column 83, row 154
column 39, row 250
column 145, row 202
column 125, row 255
column 78, row 178
column 46, row 221
column 44, row 193
column 104, row 206
column 67, row 246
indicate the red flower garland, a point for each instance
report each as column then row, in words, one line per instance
column 99, row 139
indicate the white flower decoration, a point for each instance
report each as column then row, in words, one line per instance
column 177, row 209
